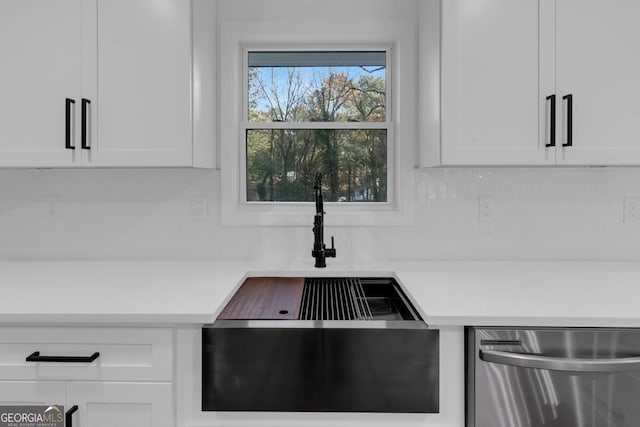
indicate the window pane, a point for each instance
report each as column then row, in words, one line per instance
column 317, row 86
column 281, row 164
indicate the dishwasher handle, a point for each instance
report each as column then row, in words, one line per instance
column 623, row 364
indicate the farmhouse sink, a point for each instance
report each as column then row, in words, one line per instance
column 343, row 344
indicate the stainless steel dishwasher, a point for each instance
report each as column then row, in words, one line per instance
column 552, row 377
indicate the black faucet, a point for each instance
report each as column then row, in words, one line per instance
column 320, row 252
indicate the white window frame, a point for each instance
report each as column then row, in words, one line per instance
column 398, row 39
column 386, row 125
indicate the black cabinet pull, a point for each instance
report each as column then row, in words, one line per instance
column 68, row 130
column 569, row 99
column 68, row 421
column 85, row 136
column 552, row 121
column 35, row 357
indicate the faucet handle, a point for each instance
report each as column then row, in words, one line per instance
column 331, row 253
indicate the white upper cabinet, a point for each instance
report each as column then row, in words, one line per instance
column 598, row 64
column 493, row 83
column 142, row 98
column 40, row 47
column 125, row 67
column 507, row 66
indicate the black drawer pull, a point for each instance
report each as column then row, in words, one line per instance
column 68, row 420
column 35, row 357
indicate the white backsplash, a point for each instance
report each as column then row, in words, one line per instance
column 529, row 213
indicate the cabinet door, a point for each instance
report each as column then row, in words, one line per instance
column 140, row 90
column 497, row 69
column 40, row 44
column 598, row 63
column 121, row 404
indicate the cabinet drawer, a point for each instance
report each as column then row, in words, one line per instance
column 124, row 353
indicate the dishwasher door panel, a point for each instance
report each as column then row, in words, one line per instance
column 575, row 377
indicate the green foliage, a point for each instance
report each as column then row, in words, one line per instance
column 281, row 163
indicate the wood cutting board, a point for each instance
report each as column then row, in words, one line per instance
column 265, row 298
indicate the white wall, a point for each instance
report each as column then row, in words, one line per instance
column 538, row 213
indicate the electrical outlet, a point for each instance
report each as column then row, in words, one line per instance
column 486, row 206
column 199, row 208
column 631, row 210
column 52, row 207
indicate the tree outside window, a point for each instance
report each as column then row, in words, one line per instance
column 316, row 111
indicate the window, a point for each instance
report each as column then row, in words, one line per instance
column 317, row 110
column 273, row 138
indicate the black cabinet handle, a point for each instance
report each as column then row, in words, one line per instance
column 68, row 103
column 569, row 99
column 68, row 421
column 85, row 136
column 35, row 357
column 552, row 121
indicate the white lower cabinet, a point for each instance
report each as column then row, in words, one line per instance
column 100, row 404
column 121, row 404
column 128, row 384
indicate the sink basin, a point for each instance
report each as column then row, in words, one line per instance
column 319, row 298
column 340, row 344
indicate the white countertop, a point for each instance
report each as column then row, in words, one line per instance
column 114, row 291
column 448, row 293
column 526, row 293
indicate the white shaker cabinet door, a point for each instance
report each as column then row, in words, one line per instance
column 140, row 85
column 598, row 64
column 40, row 53
column 497, row 70
column 121, row 404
